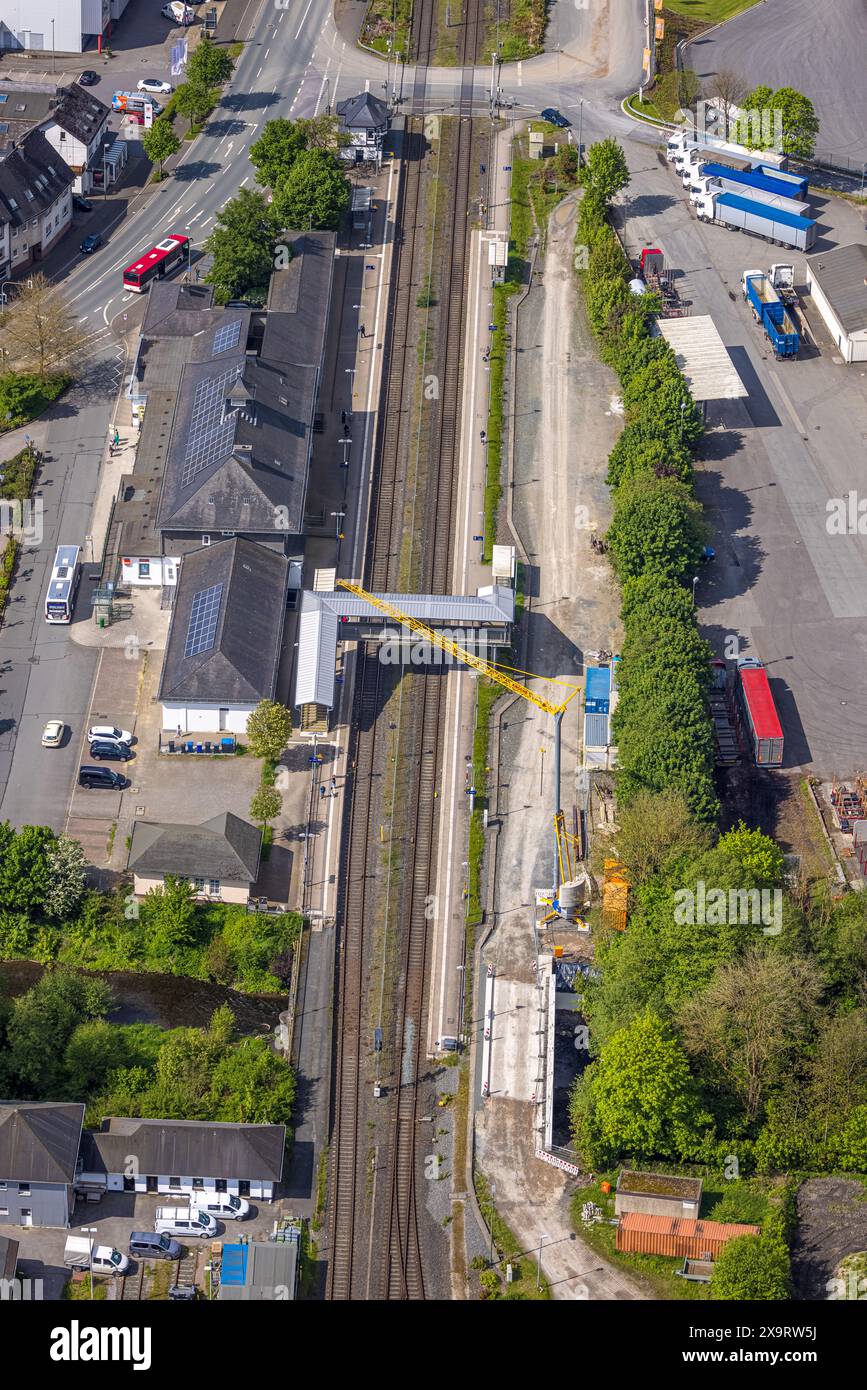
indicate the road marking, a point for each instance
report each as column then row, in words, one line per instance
column 303, row 17
column 267, row 51
column 259, row 73
column 194, row 219
column 243, row 181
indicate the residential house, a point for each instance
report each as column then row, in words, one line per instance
column 225, row 638
column 77, row 128
column 38, row 1151
column 35, row 202
column 220, row 857
column 364, row 120
column 43, row 26
column 178, row 1157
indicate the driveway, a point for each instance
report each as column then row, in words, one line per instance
column 782, row 586
column 817, row 50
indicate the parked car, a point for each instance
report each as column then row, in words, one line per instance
column 90, row 243
column 110, row 752
column 555, row 117
column 89, row 78
column 79, row 1253
column 152, row 1245
column 221, row 1205
column 81, row 204
column 103, row 778
column 108, row 731
column 52, row 734
column 154, row 84
column 184, row 1221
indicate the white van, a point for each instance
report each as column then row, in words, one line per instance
column 184, row 1221
column 103, row 1259
column 221, row 1205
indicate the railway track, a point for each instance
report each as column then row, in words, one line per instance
column 401, row 1272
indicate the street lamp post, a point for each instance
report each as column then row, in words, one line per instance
column 491, row 1222
column 580, row 129
column 338, row 518
column 52, row 46
column 694, row 582
column 90, row 1232
column 543, row 1236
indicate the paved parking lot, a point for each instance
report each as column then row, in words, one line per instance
column 110, row 1223
column 789, row 591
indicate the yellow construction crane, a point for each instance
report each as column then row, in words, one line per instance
column 494, row 673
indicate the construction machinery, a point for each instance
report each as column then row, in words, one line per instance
column 571, row 897
column 504, row 677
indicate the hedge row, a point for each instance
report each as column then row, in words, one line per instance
column 657, row 537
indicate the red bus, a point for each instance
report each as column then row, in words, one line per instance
column 759, row 713
column 156, row 263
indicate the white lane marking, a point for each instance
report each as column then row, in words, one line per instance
column 259, row 73
column 267, row 51
column 303, row 17
column 243, row 181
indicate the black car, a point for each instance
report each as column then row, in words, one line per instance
column 111, row 752
column 90, row 243
column 103, row 777
column 88, row 78
column 554, row 117
column 81, row 204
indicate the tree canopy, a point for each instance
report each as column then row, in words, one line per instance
column 243, row 245
column 314, row 194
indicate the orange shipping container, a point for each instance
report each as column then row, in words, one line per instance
column 639, row 1233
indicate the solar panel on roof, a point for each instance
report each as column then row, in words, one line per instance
column 210, row 434
column 203, row 620
column 227, row 336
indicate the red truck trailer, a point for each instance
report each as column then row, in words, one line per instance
column 760, row 721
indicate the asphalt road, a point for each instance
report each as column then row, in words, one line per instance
column 819, row 50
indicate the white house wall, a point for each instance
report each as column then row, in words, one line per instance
column 852, row 348
column 163, row 570
column 206, row 719
column 263, row 1191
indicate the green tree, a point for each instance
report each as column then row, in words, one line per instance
column 269, row 729
column 242, row 244
column 752, row 1268
column 192, row 100
column 209, row 66
column 25, row 877
column 315, row 192
column 658, row 395
column 658, row 525
column 41, row 1024
column 250, row 1084
column 282, row 141
column 94, row 1050
column 266, row 804
column 638, row 1099
column 655, row 827
column 605, row 169
column 168, row 915
column 757, row 852
column 160, row 142
column 799, row 121
column 67, row 870
column 751, row 1022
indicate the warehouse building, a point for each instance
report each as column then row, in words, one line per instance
column 837, row 281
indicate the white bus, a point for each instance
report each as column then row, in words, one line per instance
column 63, row 585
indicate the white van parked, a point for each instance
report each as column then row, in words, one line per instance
column 184, row 1221
column 103, row 1259
column 221, row 1205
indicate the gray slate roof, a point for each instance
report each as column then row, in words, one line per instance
column 241, row 667
column 363, row 112
column 298, row 300
column 79, row 112
column 27, row 104
column 39, row 1142
column 187, row 1149
column 224, row 847
column 841, row 275
column 33, row 168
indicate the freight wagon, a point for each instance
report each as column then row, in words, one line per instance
column 760, row 721
column 746, row 215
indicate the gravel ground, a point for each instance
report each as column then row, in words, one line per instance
column 832, row 1222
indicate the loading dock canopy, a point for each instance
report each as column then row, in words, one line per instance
column 702, row 357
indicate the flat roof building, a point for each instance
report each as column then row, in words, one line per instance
column 837, row 280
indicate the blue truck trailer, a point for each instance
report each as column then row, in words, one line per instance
column 770, row 311
column 752, row 178
column 800, row 186
column 702, row 185
column 746, row 215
